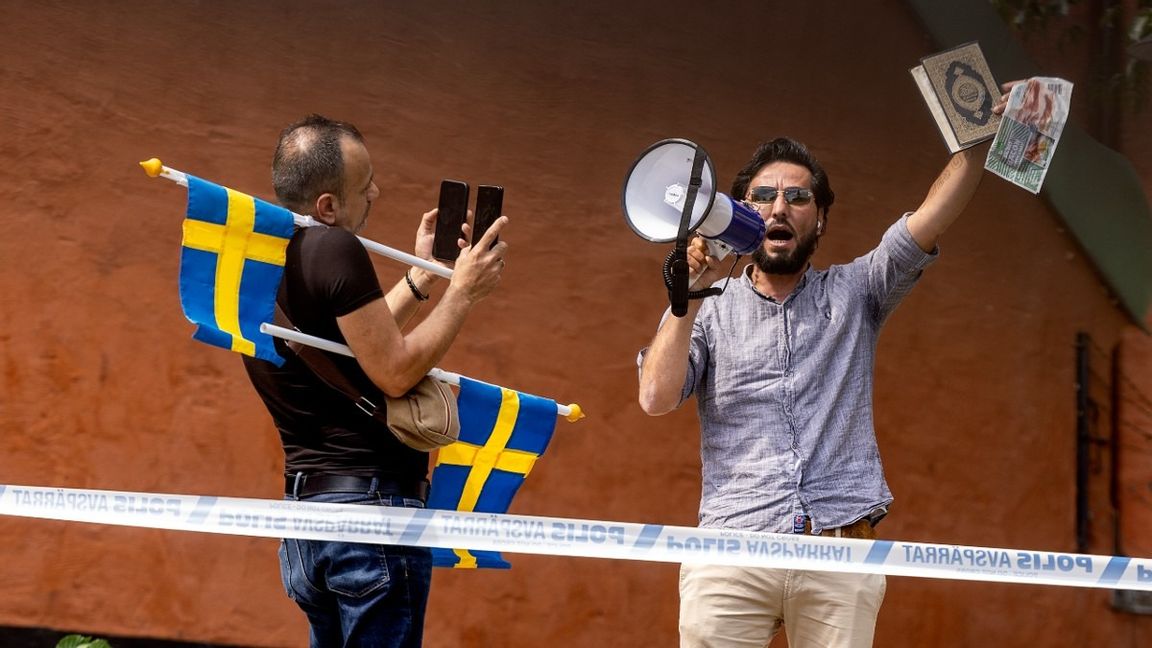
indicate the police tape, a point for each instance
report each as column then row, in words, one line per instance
column 570, row 537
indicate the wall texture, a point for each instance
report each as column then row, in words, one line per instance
column 102, row 387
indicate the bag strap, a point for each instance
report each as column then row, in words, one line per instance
column 327, row 370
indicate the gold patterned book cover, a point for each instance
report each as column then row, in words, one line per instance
column 959, row 90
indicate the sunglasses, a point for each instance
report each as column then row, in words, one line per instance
column 767, row 195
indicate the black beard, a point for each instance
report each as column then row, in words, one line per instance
column 789, row 262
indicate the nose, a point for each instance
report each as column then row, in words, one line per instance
column 373, row 193
column 779, row 206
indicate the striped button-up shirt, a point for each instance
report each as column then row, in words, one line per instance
column 784, row 393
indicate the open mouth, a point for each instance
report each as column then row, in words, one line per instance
column 780, row 235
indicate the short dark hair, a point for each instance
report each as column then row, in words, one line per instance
column 308, row 161
column 785, row 149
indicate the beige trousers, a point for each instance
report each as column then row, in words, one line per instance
column 729, row 607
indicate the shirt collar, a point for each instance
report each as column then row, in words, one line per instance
column 747, row 280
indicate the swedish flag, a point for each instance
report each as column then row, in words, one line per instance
column 230, row 267
column 502, row 434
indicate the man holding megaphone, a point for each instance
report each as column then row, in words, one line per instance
column 781, row 364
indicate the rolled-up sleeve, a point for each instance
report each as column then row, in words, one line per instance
column 895, row 266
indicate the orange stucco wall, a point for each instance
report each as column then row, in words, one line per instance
column 102, row 387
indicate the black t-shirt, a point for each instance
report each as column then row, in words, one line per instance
column 327, row 274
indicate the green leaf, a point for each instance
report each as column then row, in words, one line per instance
column 80, row 641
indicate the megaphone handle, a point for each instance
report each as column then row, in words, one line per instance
column 717, row 250
column 672, row 278
column 678, row 295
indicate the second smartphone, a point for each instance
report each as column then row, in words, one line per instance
column 489, row 205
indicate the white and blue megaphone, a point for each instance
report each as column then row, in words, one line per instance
column 655, row 190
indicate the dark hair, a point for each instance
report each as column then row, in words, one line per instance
column 784, row 149
column 308, row 161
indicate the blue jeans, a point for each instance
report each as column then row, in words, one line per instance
column 359, row 595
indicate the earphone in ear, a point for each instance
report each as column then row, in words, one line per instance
column 819, row 227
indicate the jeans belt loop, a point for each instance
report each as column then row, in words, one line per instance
column 297, row 484
column 374, row 487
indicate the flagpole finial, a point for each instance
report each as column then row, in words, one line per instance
column 153, row 167
column 574, row 413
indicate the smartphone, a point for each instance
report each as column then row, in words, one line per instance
column 450, row 219
column 489, row 204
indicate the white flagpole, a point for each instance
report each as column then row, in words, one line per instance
column 156, row 169
column 571, row 412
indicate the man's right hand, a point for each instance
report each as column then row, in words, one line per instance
column 479, row 267
column 394, row 360
column 704, row 269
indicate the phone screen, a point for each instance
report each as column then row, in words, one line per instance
column 453, row 211
column 489, row 204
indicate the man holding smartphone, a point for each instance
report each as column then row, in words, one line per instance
column 356, row 594
column 453, row 212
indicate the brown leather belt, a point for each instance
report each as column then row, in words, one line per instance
column 305, row 484
column 861, row 529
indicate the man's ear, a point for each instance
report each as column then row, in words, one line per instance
column 326, row 207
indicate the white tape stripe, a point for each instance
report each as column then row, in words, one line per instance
column 571, row 537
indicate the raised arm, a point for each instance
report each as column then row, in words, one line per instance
column 665, row 365
column 401, row 299
column 948, row 197
column 395, row 361
column 953, row 188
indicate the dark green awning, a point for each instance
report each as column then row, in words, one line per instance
column 1112, row 221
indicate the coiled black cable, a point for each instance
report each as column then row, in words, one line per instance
column 710, row 291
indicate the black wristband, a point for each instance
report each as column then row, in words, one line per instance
column 412, row 286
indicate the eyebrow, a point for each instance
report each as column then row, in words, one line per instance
column 779, row 190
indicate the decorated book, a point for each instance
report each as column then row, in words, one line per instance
column 960, row 92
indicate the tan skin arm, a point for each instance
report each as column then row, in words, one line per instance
column 665, row 366
column 953, row 189
column 395, row 361
column 401, row 301
column 948, row 197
